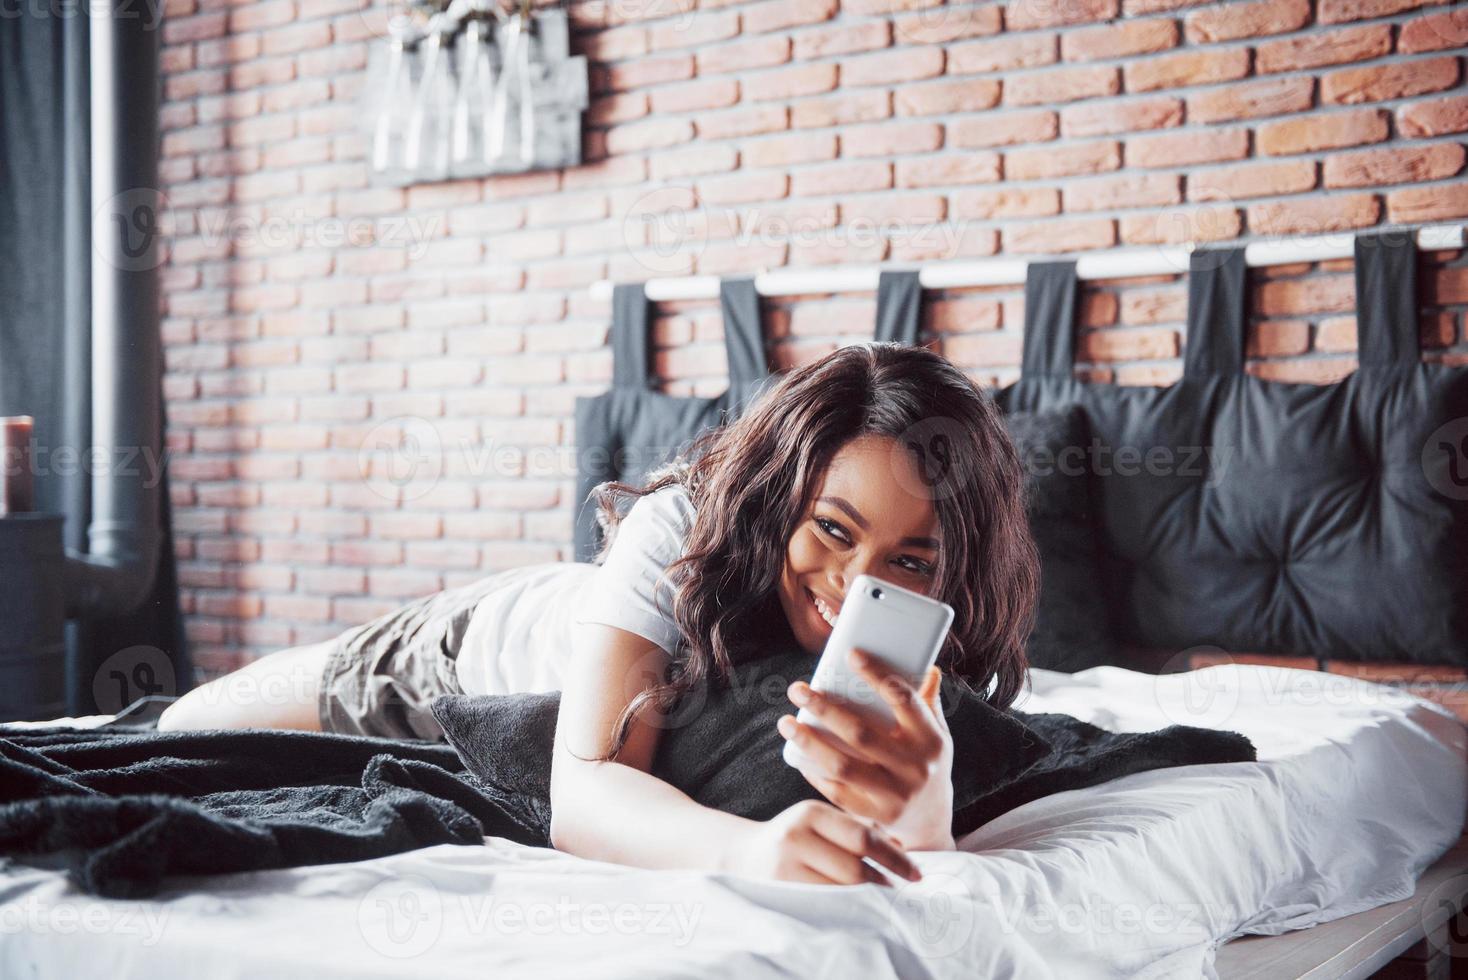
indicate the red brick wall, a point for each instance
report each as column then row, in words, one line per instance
column 304, row 308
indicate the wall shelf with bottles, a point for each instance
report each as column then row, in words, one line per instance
column 469, row 89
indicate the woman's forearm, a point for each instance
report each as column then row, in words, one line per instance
column 608, row 811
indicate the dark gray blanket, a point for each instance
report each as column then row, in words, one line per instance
column 727, row 755
column 123, row 809
column 120, row 809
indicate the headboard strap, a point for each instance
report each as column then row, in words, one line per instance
column 630, row 341
column 1386, row 298
column 899, row 307
column 1050, row 319
column 744, row 340
column 1216, row 312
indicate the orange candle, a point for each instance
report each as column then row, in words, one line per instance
column 17, row 481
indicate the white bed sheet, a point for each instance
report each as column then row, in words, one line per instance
column 1358, row 789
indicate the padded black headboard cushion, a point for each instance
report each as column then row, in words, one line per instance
column 1261, row 516
column 630, row 430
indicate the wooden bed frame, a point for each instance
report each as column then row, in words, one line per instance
column 1388, row 943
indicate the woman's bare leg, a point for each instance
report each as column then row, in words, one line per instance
column 276, row 691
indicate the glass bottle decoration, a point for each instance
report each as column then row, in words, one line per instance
column 475, row 95
column 393, row 104
column 516, row 84
column 426, row 148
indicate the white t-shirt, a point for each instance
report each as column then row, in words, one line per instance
column 519, row 637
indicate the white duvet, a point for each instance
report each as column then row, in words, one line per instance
column 1357, row 789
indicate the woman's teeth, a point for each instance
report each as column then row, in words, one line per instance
column 823, row 609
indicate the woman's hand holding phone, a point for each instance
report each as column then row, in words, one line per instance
column 817, row 843
column 897, row 775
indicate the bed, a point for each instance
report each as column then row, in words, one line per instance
column 1144, row 876
column 1338, row 849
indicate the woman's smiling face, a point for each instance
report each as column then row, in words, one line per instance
column 864, row 518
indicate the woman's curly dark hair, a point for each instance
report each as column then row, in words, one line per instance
column 750, row 481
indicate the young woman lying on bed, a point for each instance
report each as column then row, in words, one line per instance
column 878, row 459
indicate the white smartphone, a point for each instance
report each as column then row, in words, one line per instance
column 902, row 628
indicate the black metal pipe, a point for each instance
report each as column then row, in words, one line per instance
column 124, row 538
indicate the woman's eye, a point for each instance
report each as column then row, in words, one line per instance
column 831, row 528
column 919, row 567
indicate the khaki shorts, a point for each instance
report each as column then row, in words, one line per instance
column 382, row 677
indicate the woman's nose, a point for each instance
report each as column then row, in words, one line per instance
column 843, row 574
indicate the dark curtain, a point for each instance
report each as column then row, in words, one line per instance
column 45, row 329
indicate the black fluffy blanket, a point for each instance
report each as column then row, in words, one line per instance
column 121, row 810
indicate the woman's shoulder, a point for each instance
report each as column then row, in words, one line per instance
column 654, row 527
column 670, row 507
